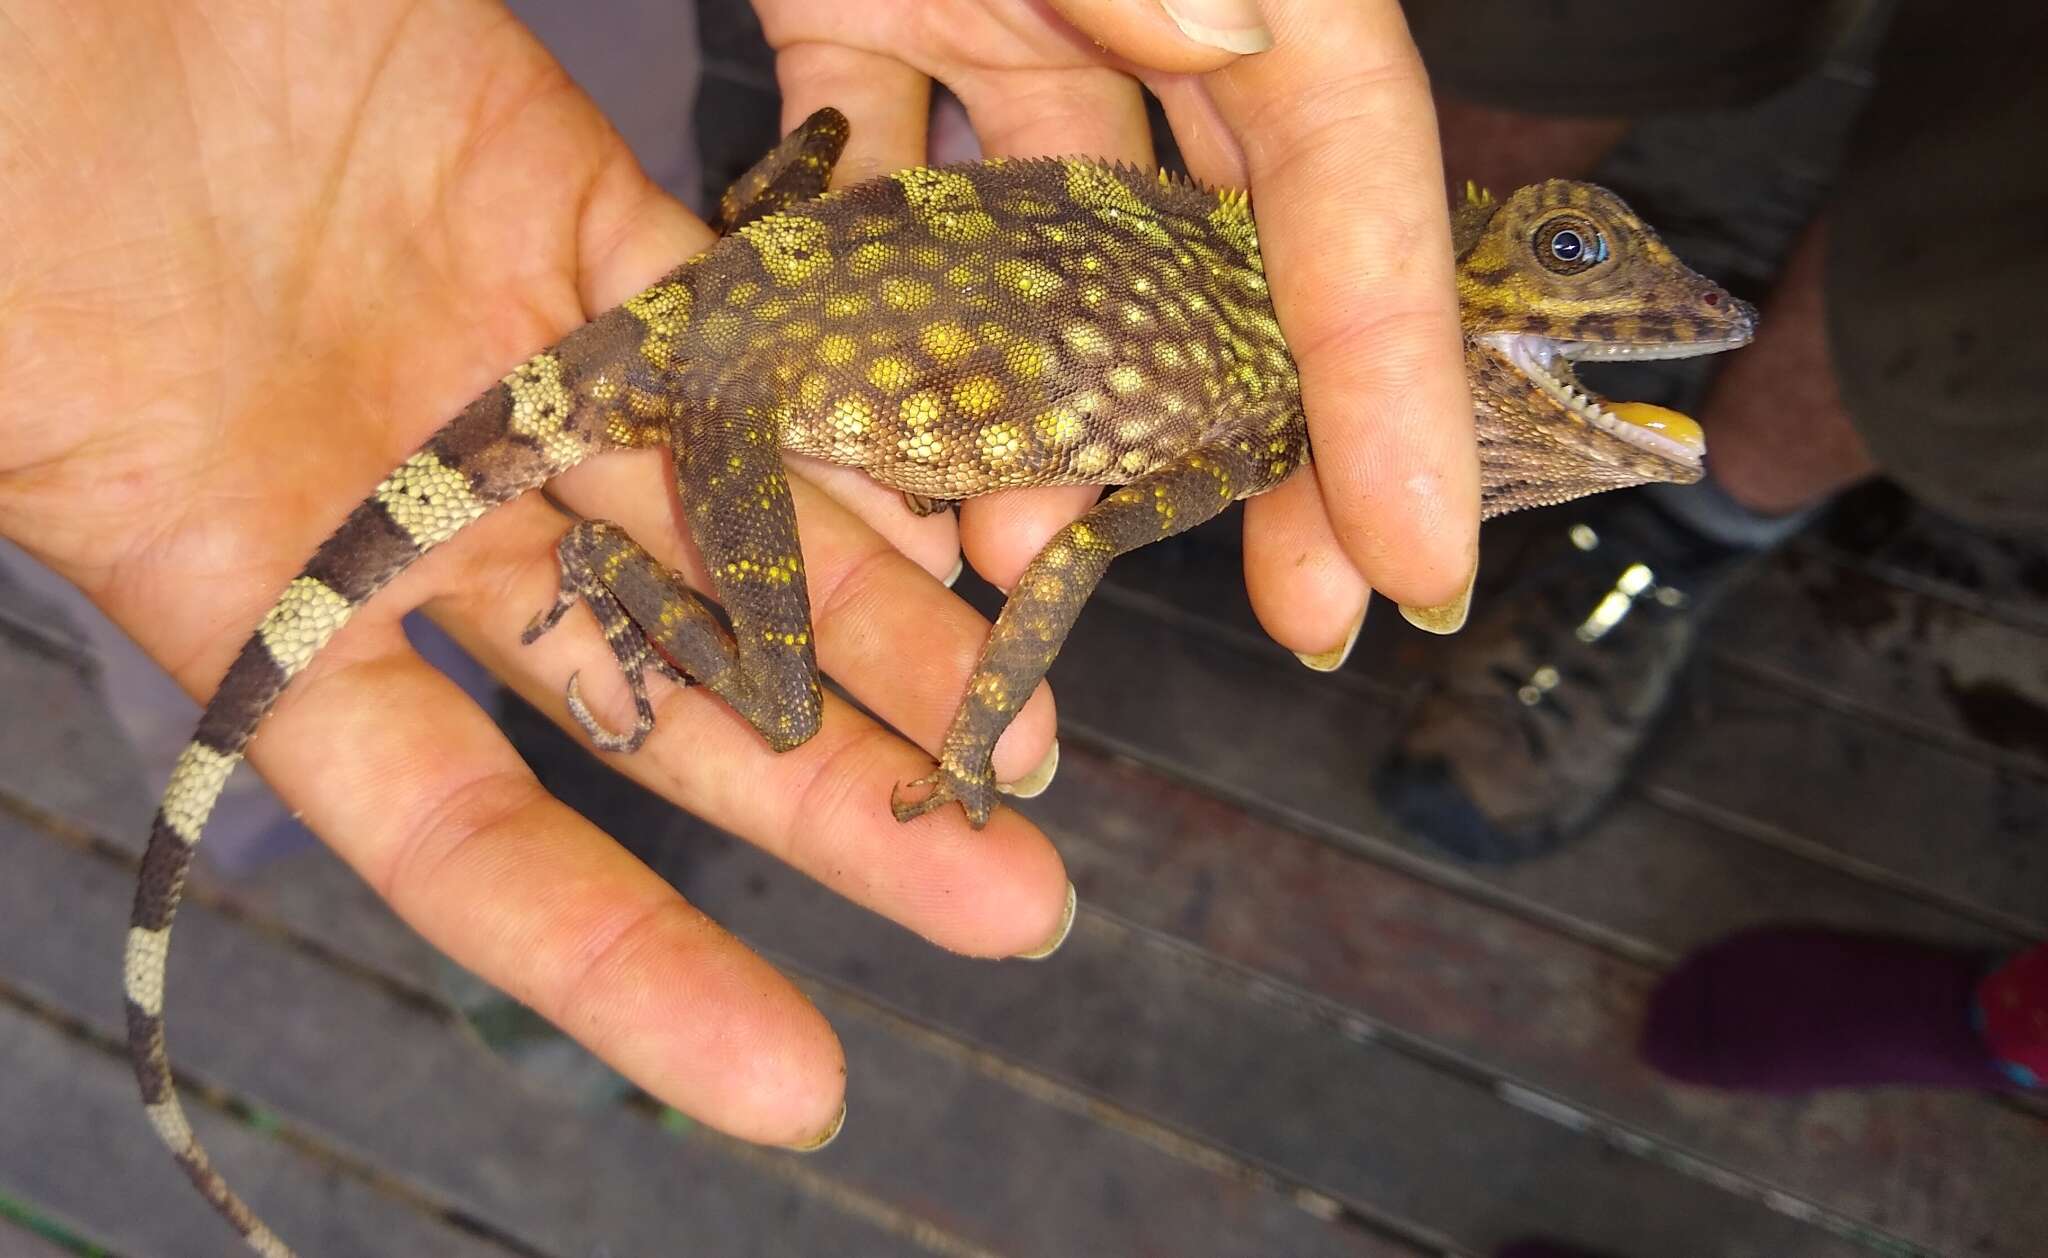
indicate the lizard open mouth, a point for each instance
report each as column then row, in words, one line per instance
column 1655, row 429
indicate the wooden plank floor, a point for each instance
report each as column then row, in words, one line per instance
column 1279, row 1027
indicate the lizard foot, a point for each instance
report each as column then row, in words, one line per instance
column 976, row 795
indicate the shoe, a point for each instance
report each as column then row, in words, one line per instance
column 1790, row 1009
column 1537, row 709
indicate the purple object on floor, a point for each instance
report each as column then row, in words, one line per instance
column 1800, row 1008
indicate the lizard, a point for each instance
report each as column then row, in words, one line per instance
column 952, row 330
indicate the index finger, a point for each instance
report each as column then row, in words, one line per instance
column 1339, row 138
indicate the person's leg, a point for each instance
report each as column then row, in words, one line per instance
column 1893, row 340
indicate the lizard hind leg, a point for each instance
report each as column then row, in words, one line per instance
column 599, row 561
column 1177, row 495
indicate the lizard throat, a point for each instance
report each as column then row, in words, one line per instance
column 1652, row 429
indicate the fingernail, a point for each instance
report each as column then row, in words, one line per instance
column 1059, row 936
column 959, row 566
column 1444, row 617
column 1232, row 25
column 1332, row 660
column 825, row 1137
column 1033, row 784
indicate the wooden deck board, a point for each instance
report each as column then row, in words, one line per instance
column 1952, row 1171
column 1370, row 1126
column 77, row 1146
column 387, row 1083
column 392, row 1085
column 18, row 1241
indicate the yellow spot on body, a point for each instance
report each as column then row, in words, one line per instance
column 924, row 446
column 977, row 397
column 870, row 259
column 1124, row 379
column 1090, row 459
column 1058, row 426
column 812, row 392
column 721, row 330
column 305, row 617
column 930, row 257
column 1085, row 339
column 964, row 275
column 1168, row 355
column 890, row 373
column 1134, row 461
column 1001, row 443
column 921, row 409
column 742, row 294
column 947, row 342
column 1031, row 280
column 845, row 305
column 837, row 350
column 901, row 292
column 196, row 782
column 664, row 310
column 1027, row 360
column 792, row 247
column 428, row 499
column 1136, row 315
column 852, row 416
column 947, row 203
column 1112, row 201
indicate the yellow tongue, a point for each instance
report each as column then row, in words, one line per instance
column 1680, row 428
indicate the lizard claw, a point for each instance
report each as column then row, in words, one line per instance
column 977, row 797
column 548, row 619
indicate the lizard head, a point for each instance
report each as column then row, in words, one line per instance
column 1563, row 272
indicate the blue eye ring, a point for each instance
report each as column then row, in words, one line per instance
column 1568, row 244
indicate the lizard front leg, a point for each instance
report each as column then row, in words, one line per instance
column 1175, row 496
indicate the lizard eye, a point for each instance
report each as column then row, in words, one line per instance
column 1569, row 245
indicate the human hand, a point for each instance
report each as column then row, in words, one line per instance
column 253, row 260
column 1333, row 132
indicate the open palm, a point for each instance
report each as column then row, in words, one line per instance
column 254, row 255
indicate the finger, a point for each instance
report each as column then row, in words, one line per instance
column 1300, row 581
column 932, row 542
column 1092, row 111
column 1001, row 533
column 887, row 102
column 1338, row 133
column 1177, row 36
column 437, row 812
column 900, row 642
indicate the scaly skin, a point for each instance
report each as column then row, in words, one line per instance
column 952, row 331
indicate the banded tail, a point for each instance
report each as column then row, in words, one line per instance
column 553, row 411
column 529, row 427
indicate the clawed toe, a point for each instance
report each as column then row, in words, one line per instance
column 604, row 739
column 976, row 798
column 548, row 619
